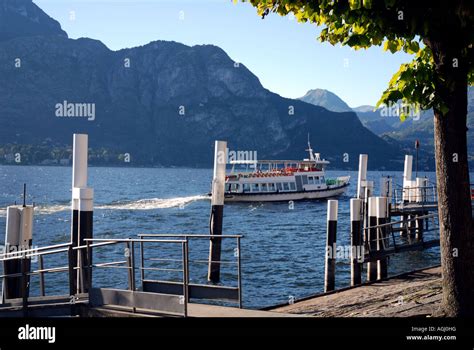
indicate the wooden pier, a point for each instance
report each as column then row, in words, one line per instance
column 413, row 294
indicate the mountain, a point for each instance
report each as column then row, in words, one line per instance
column 363, row 109
column 326, row 99
column 423, row 129
column 392, row 129
column 22, row 18
column 164, row 103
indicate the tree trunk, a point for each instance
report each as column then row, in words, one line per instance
column 452, row 174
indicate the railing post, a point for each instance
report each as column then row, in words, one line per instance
column 132, row 257
column 357, row 253
column 41, row 275
column 330, row 265
column 129, row 265
column 88, row 269
column 239, row 271
column 142, row 261
column 71, row 265
column 184, row 246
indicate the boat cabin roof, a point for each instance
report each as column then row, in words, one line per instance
column 302, row 162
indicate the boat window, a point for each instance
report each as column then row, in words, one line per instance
column 271, row 187
column 227, row 187
column 285, row 186
column 316, row 179
column 263, row 187
column 246, row 187
column 292, row 186
column 279, row 186
column 310, row 180
column 255, row 188
column 235, row 187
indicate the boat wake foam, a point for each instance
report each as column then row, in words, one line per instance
column 153, row 203
column 43, row 209
column 141, row 204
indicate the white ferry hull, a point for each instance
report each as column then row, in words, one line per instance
column 286, row 196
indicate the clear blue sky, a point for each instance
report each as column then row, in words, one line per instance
column 283, row 53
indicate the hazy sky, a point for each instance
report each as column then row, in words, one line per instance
column 283, row 53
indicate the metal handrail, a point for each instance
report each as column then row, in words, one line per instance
column 427, row 216
column 195, row 236
column 34, row 250
column 187, row 235
column 90, row 243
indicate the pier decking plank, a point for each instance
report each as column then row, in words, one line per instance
column 201, row 310
column 194, row 310
column 414, row 294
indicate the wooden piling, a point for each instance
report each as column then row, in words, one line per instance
column 330, row 264
column 356, row 242
column 371, row 239
column 382, row 234
column 419, row 227
column 403, row 231
column 411, row 225
column 82, row 212
column 362, row 175
column 217, row 211
column 18, row 237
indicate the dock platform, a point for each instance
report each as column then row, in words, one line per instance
column 414, row 294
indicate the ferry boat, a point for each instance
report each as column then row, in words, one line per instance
column 282, row 180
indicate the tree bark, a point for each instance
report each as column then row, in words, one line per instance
column 452, row 174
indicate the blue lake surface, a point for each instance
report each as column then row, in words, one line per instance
column 282, row 250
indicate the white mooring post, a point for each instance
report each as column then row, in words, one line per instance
column 421, row 185
column 407, row 178
column 362, row 177
column 217, row 210
column 368, row 187
column 82, row 212
column 386, row 191
column 18, row 237
column 371, row 239
column 330, row 265
column 357, row 253
column 386, row 187
column 382, row 235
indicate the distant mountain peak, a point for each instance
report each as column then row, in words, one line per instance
column 364, row 108
column 326, row 99
column 22, row 18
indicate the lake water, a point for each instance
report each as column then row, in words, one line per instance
column 282, row 250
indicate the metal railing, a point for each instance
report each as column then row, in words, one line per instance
column 412, row 234
column 80, row 269
column 415, row 194
column 195, row 290
column 24, row 257
column 129, row 263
